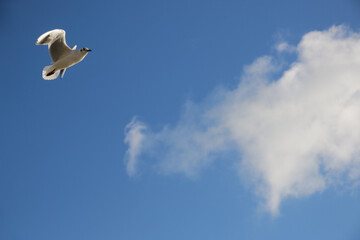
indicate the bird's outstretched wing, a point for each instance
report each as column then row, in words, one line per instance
column 55, row 39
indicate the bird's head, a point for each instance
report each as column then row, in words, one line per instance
column 85, row 50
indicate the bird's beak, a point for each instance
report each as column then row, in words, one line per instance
column 89, row 50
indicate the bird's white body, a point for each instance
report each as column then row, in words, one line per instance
column 69, row 60
column 62, row 56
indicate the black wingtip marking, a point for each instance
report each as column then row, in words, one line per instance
column 50, row 73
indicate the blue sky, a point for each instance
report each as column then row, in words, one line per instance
column 209, row 100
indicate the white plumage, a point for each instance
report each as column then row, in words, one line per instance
column 61, row 55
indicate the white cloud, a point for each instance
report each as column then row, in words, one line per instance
column 134, row 137
column 294, row 135
column 285, row 47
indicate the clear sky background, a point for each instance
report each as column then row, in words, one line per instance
column 64, row 162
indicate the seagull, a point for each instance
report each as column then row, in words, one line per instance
column 61, row 55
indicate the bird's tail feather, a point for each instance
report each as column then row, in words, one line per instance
column 49, row 73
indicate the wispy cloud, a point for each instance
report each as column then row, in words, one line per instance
column 285, row 47
column 135, row 136
column 294, row 135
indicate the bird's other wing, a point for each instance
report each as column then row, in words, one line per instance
column 50, row 36
column 58, row 49
column 55, row 39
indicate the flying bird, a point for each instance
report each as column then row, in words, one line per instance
column 61, row 55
